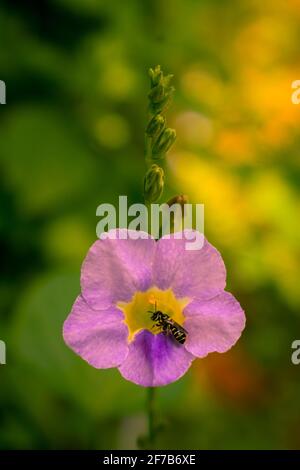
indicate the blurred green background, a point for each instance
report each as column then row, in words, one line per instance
column 71, row 137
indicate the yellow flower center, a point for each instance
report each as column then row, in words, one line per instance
column 137, row 312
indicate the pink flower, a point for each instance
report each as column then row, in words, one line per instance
column 123, row 279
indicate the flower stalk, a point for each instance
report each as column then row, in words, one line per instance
column 158, row 137
column 149, row 440
column 151, row 415
column 158, row 140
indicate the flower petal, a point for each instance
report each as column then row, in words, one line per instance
column 213, row 325
column 155, row 360
column 99, row 337
column 115, row 268
column 190, row 273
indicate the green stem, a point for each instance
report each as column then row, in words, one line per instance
column 151, row 414
column 148, row 150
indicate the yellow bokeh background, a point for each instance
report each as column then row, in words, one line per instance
column 72, row 137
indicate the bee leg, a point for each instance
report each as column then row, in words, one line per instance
column 169, row 331
column 165, row 330
column 156, row 325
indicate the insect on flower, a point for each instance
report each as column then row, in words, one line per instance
column 168, row 326
column 123, row 278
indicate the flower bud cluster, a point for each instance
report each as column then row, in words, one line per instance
column 159, row 137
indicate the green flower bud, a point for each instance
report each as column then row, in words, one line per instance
column 154, row 183
column 163, row 143
column 161, row 106
column 178, row 212
column 156, row 94
column 161, row 92
column 167, row 80
column 155, row 75
column 156, row 125
column 181, row 199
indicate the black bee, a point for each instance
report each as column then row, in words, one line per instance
column 168, row 326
